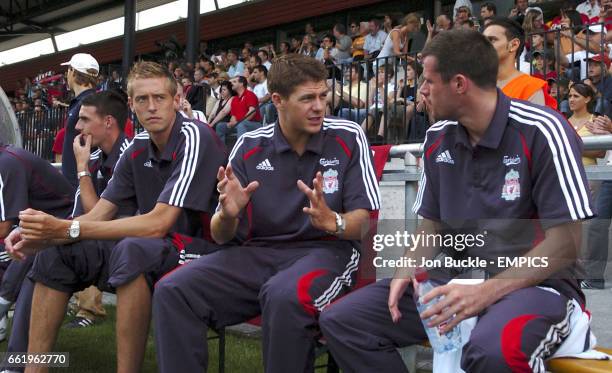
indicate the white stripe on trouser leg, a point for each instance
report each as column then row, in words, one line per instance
column 2, row 213
column 336, row 286
column 556, row 334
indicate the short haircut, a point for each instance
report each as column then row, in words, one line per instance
column 286, row 44
column 148, row 70
column 513, row 30
column 450, row 63
column 287, row 72
column 375, row 21
column 340, row 28
column 234, row 52
column 201, row 70
column 257, row 59
column 261, row 68
column 265, row 52
column 330, row 37
column 242, row 80
column 490, row 7
column 109, row 103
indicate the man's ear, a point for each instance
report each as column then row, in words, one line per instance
column 277, row 100
column 108, row 121
column 130, row 103
column 514, row 45
column 460, row 84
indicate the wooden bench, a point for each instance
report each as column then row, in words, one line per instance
column 557, row 365
column 570, row 365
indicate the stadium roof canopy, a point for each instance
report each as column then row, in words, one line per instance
column 23, row 22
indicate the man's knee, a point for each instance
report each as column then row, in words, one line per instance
column 275, row 295
column 330, row 319
column 483, row 355
column 165, row 291
column 221, row 128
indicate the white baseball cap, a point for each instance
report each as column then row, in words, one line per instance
column 84, row 63
column 597, row 29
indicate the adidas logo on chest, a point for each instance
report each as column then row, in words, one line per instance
column 265, row 166
column 445, row 157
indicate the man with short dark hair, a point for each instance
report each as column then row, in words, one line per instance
column 268, row 112
column 199, row 93
column 343, row 43
column 287, row 263
column 245, row 114
column 515, row 161
column 81, row 79
column 265, row 58
column 101, row 125
column 327, row 52
column 519, row 11
column 598, row 73
column 236, row 67
column 168, row 174
column 487, row 10
column 207, row 65
column 374, row 40
column 508, row 39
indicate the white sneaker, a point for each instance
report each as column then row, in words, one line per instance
column 3, row 327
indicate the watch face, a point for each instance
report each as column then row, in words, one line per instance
column 74, row 231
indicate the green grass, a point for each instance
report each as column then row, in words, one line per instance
column 93, row 350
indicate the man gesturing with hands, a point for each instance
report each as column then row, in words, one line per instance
column 294, row 200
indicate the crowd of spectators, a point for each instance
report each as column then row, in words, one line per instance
column 576, row 32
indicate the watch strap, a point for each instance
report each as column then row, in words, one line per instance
column 83, row 173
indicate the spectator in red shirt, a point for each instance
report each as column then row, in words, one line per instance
column 58, row 145
column 244, row 106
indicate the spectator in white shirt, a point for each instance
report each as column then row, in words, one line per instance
column 327, row 53
column 374, row 40
column 236, row 67
column 259, row 75
column 265, row 58
column 267, row 109
column 590, row 8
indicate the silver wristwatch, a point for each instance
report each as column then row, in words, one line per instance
column 83, row 173
column 340, row 225
column 75, row 230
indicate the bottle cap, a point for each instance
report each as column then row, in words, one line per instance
column 420, row 274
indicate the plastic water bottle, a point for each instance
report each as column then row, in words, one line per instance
column 439, row 342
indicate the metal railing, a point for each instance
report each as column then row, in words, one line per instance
column 379, row 97
column 39, row 129
column 571, row 64
column 411, row 173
